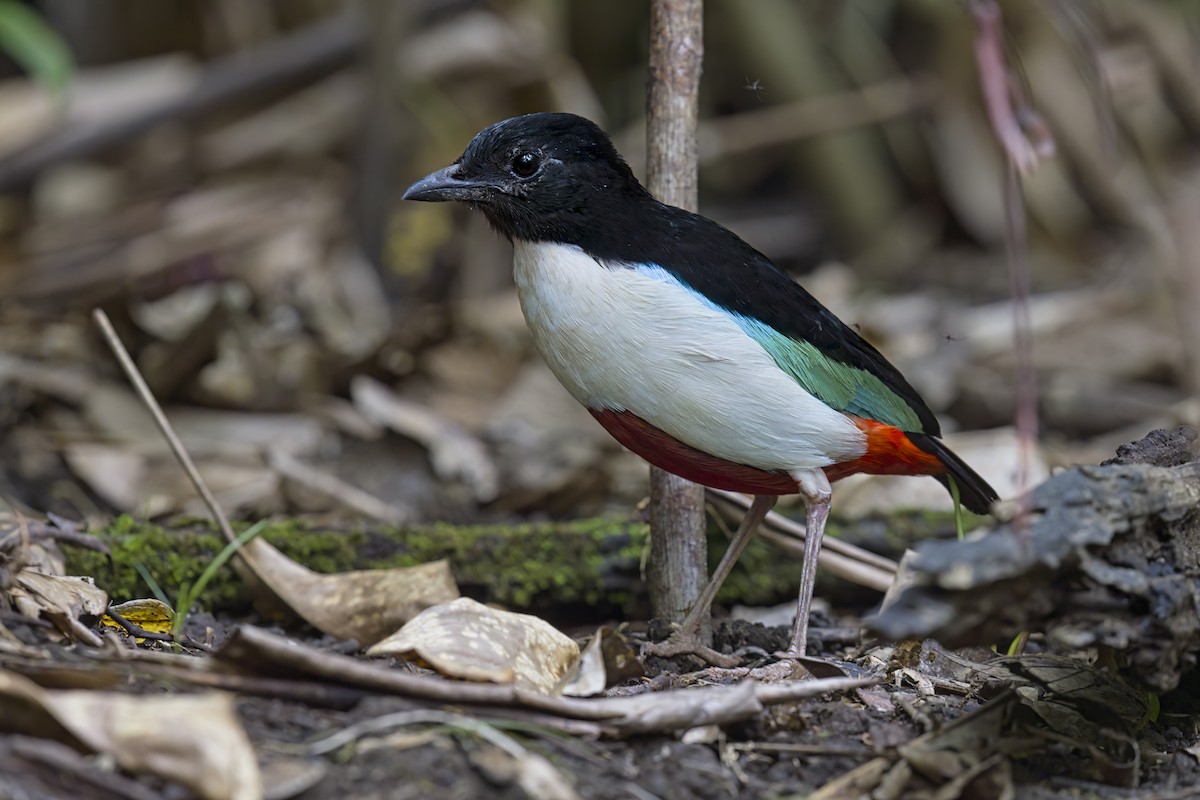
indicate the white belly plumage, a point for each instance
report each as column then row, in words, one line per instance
column 636, row 339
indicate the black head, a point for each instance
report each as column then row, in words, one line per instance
column 540, row 177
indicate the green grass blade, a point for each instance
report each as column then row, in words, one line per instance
column 958, row 514
column 35, row 46
column 1153, row 707
column 183, row 604
column 225, row 555
column 155, row 589
column 209, row 571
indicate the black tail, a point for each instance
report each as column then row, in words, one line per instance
column 976, row 494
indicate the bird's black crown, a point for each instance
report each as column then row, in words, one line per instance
column 539, row 177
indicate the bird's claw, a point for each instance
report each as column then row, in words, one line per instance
column 681, row 644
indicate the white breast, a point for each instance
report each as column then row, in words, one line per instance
column 633, row 339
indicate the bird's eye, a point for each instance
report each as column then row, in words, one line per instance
column 525, row 164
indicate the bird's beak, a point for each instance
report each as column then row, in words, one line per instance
column 445, row 184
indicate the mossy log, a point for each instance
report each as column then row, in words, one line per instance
column 554, row 569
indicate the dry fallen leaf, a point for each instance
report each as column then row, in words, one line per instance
column 132, row 481
column 60, row 599
column 365, row 605
column 32, row 580
column 621, row 662
column 120, row 419
column 466, row 639
column 69, row 595
column 591, row 678
column 116, row 474
column 196, row 740
column 454, row 453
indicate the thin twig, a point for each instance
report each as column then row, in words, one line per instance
column 806, row 749
column 796, row 529
column 534, row 773
column 34, row 622
column 138, row 632
column 160, row 419
column 773, row 126
column 188, row 669
column 1025, row 140
column 418, row 716
column 1026, row 396
column 64, row 761
column 72, row 627
column 1022, row 133
column 37, row 531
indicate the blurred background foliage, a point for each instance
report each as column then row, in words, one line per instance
column 223, row 178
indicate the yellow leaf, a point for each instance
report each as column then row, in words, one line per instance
column 151, row 615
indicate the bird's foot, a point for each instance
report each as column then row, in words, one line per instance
column 773, row 671
column 785, row 669
column 682, row 643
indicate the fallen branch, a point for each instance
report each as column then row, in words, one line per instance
column 256, row 650
column 160, row 419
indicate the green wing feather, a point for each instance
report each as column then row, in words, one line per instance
column 841, row 386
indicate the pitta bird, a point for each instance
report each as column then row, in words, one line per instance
column 688, row 345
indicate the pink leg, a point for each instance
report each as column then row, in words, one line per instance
column 815, row 489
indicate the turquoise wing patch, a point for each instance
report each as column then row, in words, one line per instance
column 841, row 386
